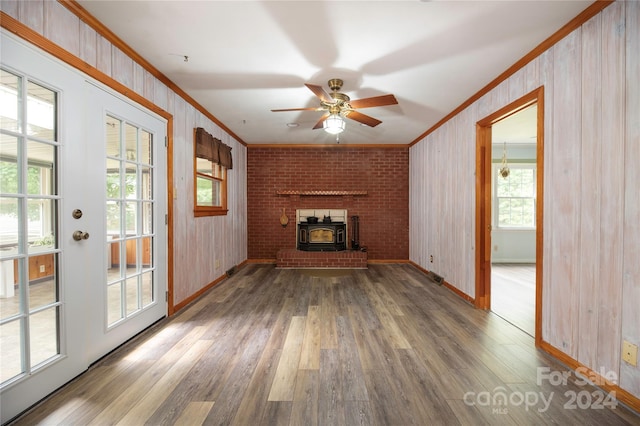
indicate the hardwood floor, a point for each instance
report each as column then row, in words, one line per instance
column 513, row 294
column 383, row 346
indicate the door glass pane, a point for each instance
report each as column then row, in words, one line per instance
column 9, row 226
column 132, row 255
column 147, row 288
column 10, row 336
column 145, row 147
column 131, row 217
column 147, row 247
column 113, row 180
column 113, row 219
column 132, row 295
column 113, row 128
column 41, row 112
column 10, row 101
column 131, row 181
column 29, row 304
column 9, row 182
column 131, row 135
column 42, row 286
column 114, row 302
column 114, row 272
column 44, row 339
column 147, row 218
column 41, row 163
column 41, row 224
column 9, row 288
column 147, row 180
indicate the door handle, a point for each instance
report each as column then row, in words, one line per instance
column 79, row 235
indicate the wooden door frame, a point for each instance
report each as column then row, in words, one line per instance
column 484, row 201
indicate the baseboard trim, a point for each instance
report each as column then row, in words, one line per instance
column 620, row 394
column 206, row 288
column 197, row 294
column 446, row 284
column 459, row 292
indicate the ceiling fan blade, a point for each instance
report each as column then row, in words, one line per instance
column 320, row 92
column 362, row 118
column 374, row 101
column 319, row 123
column 296, row 109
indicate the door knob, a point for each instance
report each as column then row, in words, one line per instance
column 79, row 235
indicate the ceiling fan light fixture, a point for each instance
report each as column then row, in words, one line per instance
column 334, row 124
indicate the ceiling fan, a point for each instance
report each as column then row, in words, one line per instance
column 338, row 105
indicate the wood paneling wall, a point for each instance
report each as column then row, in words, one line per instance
column 591, row 278
column 198, row 243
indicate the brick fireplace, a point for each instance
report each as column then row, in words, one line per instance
column 369, row 182
column 321, row 242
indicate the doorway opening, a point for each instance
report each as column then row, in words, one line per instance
column 509, row 211
column 513, row 208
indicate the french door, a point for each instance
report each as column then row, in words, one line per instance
column 82, row 224
column 127, row 214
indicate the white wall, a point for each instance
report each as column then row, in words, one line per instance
column 513, row 246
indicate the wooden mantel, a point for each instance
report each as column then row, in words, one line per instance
column 321, row 193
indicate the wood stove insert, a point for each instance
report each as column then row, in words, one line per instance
column 322, row 236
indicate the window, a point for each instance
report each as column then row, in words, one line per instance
column 515, row 197
column 209, row 180
column 212, row 160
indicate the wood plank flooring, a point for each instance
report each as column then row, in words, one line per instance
column 513, row 294
column 383, row 346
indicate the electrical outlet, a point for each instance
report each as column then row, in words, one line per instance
column 42, row 268
column 630, row 353
column 431, row 258
column 217, row 263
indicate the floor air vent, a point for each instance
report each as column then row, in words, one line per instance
column 437, row 278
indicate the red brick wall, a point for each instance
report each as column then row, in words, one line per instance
column 383, row 212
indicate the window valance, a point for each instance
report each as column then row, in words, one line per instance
column 212, row 149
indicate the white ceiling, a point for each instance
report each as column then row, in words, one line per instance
column 248, row 57
column 520, row 128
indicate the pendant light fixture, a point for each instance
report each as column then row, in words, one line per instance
column 504, row 168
